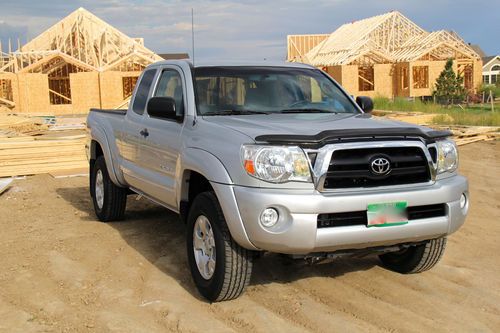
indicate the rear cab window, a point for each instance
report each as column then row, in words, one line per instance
column 141, row 95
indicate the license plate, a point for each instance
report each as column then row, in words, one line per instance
column 387, row 214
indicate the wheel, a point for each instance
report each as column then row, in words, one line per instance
column 415, row 259
column 109, row 200
column 221, row 269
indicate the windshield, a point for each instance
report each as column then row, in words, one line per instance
column 255, row 90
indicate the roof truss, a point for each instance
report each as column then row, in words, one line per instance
column 81, row 39
column 390, row 37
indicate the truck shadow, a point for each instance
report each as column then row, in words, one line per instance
column 159, row 236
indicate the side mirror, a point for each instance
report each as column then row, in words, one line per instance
column 163, row 108
column 365, row 103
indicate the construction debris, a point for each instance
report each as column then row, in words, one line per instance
column 462, row 134
column 68, row 173
column 468, row 134
column 4, row 184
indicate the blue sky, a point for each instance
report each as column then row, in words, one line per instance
column 249, row 30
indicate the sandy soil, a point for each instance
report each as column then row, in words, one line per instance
column 62, row 271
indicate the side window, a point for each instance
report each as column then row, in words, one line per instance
column 170, row 85
column 141, row 95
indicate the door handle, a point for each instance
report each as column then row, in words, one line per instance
column 144, row 133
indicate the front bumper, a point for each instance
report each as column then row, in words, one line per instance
column 297, row 232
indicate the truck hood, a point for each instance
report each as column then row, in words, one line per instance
column 303, row 124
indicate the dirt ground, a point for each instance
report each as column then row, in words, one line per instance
column 62, row 271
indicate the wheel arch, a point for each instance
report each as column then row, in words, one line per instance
column 99, row 148
column 201, row 171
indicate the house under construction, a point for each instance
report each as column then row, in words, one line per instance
column 79, row 63
column 387, row 55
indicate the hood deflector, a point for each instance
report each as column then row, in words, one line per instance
column 334, row 136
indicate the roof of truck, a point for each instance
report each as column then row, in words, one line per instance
column 235, row 63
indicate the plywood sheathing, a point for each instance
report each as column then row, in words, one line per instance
column 84, row 91
column 434, row 70
column 112, row 96
column 335, row 72
column 33, row 93
column 300, row 45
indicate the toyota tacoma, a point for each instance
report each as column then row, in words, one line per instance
column 277, row 158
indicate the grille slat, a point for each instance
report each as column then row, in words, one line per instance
column 360, row 217
column 351, row 168
column 424, row 212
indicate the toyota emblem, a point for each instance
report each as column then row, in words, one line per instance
column 380, row 166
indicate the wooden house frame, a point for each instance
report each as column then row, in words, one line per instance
column 389, row 55
column 78, row 63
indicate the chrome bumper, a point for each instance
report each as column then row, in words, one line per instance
column 297, row 232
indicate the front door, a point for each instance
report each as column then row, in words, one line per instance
column 161, row 148
column 131, row 136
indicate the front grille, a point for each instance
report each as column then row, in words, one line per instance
column 351, row 168
column 360, row 217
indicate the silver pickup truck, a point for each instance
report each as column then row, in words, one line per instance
column 279, row 158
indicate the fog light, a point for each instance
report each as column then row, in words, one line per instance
column 269, row 217
column 463, row 201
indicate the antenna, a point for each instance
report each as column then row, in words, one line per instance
column 192, row 31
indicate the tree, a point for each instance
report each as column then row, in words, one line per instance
column 449, row 87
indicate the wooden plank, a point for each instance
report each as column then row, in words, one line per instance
column 33, row 152
column 38, row 169
column 75, row 172
column 6, row 101
column 41, row 161
column 461, row 142
column 60, row 95
column 39, row 143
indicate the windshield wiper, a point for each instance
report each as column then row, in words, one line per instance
column 308, row 110
column 233, row 112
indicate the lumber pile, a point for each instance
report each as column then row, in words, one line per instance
column 462, row 134
column 28, row 146
column 29, row 156
column 468, row 134
column 417, row 118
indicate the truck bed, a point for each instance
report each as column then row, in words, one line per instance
column 110, row 111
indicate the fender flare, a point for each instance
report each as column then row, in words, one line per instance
column 99, row 137
column 208, row 165
column 204, row 163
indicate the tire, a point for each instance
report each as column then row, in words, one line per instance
column 233, row 264
column 110, row 201
column 415, row 259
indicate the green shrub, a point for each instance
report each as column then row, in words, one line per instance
column 486, row 88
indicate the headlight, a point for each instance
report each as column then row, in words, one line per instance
column 447, row 156
column 276, row 164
